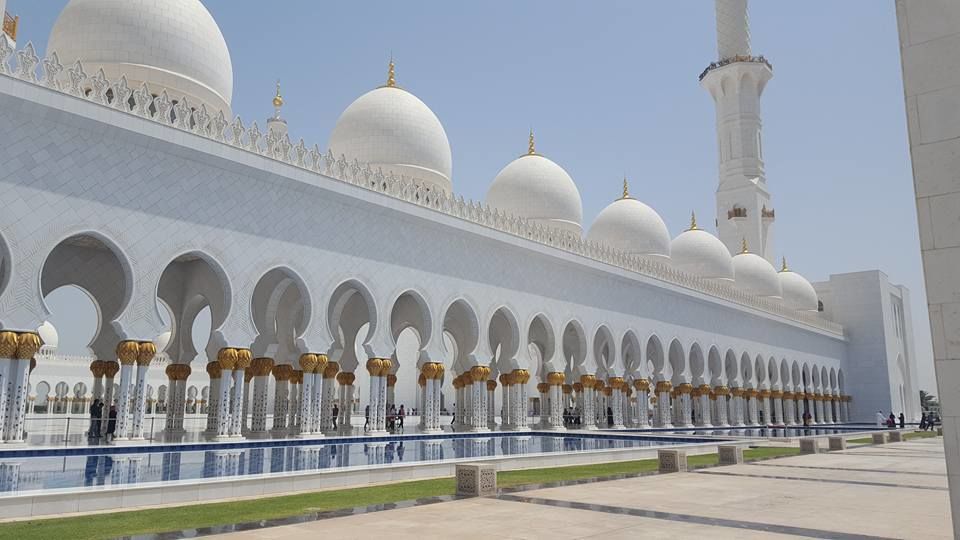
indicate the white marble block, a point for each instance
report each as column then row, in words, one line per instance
column 476, row 480
column 809, row 446
column 880, row 437
column 730, row 454
column 896, row 436
column 838, row 443
column 672, row 461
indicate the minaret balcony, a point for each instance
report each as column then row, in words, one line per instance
column 737, row 213
column 733, row 60
column 768, row 214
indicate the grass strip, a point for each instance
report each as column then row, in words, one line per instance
column 128, row 523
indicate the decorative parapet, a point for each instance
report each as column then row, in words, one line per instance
column 10, row 24
column 768, row 213
column 201, row 122
column 733, row 60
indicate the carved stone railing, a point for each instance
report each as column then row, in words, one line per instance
column 733, row 60
column 181, row 115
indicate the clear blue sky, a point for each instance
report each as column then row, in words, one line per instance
column 611, row 88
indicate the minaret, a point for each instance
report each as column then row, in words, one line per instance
column 736, row 82
column 10, row 23
column 275, row 123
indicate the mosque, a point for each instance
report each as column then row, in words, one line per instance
column 126, row 174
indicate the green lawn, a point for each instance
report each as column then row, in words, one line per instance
column 205, row 515
column 861, row 440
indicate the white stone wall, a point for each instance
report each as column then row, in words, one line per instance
column 930, row 52
column 153, row 193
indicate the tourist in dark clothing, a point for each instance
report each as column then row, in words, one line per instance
column 366, row 418
column 609, row 417
column 903, row 421
column 336, row 414
column 400, row 415
column 923, row 422
column 891, row 421
column 112, row 423
column 97, row 418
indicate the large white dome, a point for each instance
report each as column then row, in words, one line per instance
column 632, row 227
column 798, row 293
column 534, row 188
column 755, row 275
column 702, row 254
column 168, row 44
column 391, row 129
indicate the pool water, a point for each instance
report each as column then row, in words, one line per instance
column 111, row 468
column 764, row 432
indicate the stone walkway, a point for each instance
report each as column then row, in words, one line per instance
column 891, row 491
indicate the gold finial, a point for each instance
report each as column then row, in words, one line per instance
column 743, row 246
column 278, row 99
column 693, row 221
column 626, row 188
column 391, row 79
column 531, row 145
column 784, row 267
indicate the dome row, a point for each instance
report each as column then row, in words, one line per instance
column 177, row 45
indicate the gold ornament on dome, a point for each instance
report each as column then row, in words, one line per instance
column 278, row 99
column 693, row 222
column 555, row 378
column 531, row 145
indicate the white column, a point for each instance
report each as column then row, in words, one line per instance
column 663, row 404
column 237, row 401
column 705, row 417
column 170, row 423
column 16, row 408
column 306, row 399
column 316, row 400
column 281, row 396
column 686, row 405
column 328, row 396
column 223, row 402
column 147, row 350
column 258, row 424
column 293, row 407
column 643, row 403
column 778, row 408
column 123, row 400
column 213, row 408
column 763, row 404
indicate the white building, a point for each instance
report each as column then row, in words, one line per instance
column 126, row 175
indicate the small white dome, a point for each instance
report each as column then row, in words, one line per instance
column 702, row 254
column 632, row 227
column 798, row 293
column 537, row 189
column 391, row 129
column 755, row 275
column 169, row 44
column 48, row 333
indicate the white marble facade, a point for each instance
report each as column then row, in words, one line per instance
column 147, row 194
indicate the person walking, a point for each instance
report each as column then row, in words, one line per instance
column 97, row 419
column 880, row 419
column 366, row 418
column 93, row 415
column 903, row 421
column 112, row 423
column 336, row 414
column 400, row 415
column 923, row 421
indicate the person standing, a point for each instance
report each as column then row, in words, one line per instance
column 97, row 418
column 879, row 419
column 336, row 415
column 400, row 415
column 366, row 418
column 112, row 423
column 903, row 421
column 923, row 421
column 93, row 415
